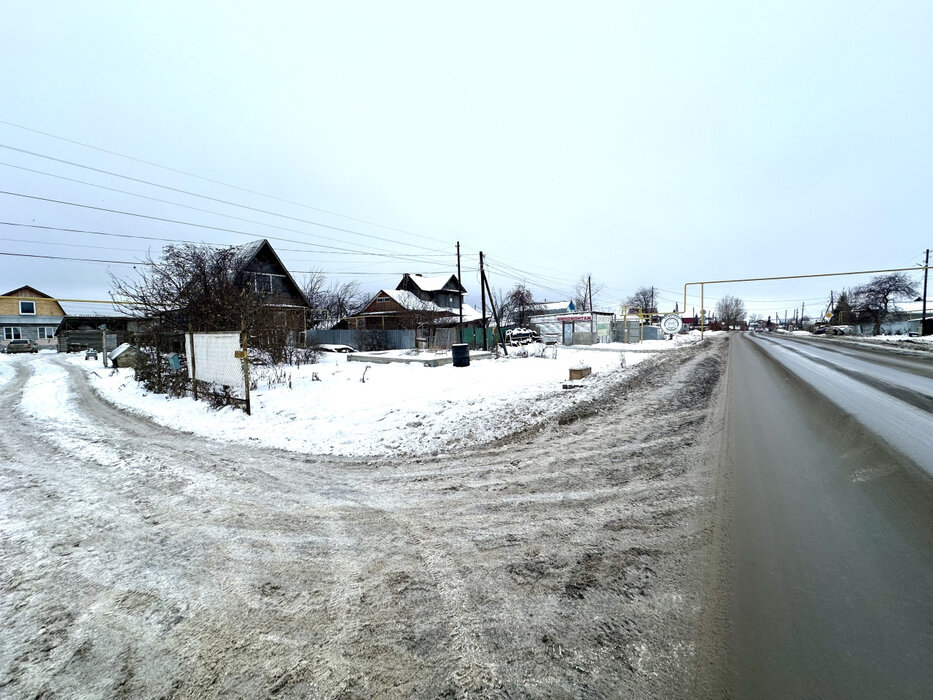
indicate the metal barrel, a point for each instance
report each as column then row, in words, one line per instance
column 461, row 353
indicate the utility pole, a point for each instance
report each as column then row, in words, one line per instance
column 459, row 296
column 803, row 308
column 495, row 315
column 482, row 290
column 589, row 291
column 923, row 317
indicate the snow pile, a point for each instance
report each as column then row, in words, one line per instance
column 400, row 408
column 657, row 345
column 926, row 339
column 6, row 369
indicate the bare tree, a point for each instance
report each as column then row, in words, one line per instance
column 191, row 284
column 584, row 291
column 334, row 301
column 876, row 299
column 518, row 306
column 730, row 311
column 644, row 299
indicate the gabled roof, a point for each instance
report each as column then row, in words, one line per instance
column 27, row 291
column 30, row 291
column 433, row 284
column 246, row 253
column 411, row 302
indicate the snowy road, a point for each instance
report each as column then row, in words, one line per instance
column 890, row 395
column 828, row 511
column 137, row 561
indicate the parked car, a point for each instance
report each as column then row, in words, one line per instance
column 21, row 346
column 327, row 347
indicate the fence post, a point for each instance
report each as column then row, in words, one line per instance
column 245, row 367
column 194, row 373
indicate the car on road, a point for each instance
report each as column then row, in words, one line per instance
column 21, row 346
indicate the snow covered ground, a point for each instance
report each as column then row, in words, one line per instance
column 406, row 409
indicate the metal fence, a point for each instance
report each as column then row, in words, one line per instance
column 365, row 339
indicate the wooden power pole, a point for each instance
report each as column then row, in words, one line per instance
column 482, row 290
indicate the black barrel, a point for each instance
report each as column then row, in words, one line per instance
column 461, row 355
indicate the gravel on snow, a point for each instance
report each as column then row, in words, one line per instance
column 564, row 560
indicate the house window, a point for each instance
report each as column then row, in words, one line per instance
column 267, row 283
column 382, row 300
column 46, row 332
column 27, row 308
column 12, row 333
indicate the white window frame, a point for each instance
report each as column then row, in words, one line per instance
column 46, row 332
column 263, row 282
column 12, row 333
column 27, row 313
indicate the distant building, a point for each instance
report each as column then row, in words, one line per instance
column 28, row 314
column 569, row 328
column 416, row 302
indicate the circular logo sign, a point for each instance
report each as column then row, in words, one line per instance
column 671, row 323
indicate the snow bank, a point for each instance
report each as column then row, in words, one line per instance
column 399, row 408
column 6, row 369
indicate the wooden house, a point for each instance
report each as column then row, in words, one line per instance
column 417, row 302
column 26, row 313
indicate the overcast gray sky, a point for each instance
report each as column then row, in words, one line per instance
column 645, row 143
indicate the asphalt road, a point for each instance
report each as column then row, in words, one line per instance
column 828, row 453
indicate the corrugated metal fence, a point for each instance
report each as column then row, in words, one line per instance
column 365, row 339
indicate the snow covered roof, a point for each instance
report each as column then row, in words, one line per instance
column 432, row 284
column 410, row 301
column 554, row 305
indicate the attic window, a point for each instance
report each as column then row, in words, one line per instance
column 27, row 308
column 382, row 300
column 265, row 282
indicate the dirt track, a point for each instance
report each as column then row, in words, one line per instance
column 563, row 562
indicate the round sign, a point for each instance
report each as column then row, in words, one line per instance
column 671, row 323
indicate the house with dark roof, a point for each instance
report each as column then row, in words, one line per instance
column 259, row 269
column 416, row 302
column 28, row 314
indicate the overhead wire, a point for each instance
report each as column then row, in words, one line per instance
column 211, row 211
column 219, row 182
column 205, row 226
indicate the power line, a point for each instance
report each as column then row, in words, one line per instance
column 70, row 245
column 89, row 260
column 204, row 226
column 219, row 182
column 193, row 194
column 146, row 263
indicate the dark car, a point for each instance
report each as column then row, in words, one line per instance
column 21, row 346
